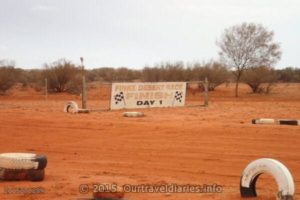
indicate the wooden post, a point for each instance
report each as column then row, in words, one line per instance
column 46, row 89
column 83, row 95
column 206, row 92
column 110, row 96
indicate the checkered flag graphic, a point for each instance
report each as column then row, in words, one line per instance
column 119, row 97
column 178, row 96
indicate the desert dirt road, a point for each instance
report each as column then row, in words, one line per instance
column 189, row 145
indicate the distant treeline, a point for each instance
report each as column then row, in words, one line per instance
column 64, row 76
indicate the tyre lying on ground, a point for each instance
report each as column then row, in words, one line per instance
column 22, row 174
column 283, row 177
column 293, row 122
column 22, row 166
column 108, row 194
column 133, row 114
column 72, row 107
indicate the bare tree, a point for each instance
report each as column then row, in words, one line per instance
column 248, row 45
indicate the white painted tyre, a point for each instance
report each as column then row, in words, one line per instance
column 133, row 114
column 263, row 121
column 71, row 107
column 17, row 161
column 273, row 167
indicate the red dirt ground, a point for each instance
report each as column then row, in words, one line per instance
column 190, row 145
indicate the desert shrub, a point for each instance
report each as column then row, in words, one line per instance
column 289, row 74
column 108, row 74
column 165, row 72
column 173, row 71
column 27, row 77
column 31, row 78
column 101, row 74
column 125, row 74
column 260, row 79
column 215, row 72
column 63, row 76
column 151, row 74
column 7, row 78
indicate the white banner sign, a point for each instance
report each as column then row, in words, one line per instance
column 146, row 95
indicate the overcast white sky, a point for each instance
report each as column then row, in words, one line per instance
column 134, row 33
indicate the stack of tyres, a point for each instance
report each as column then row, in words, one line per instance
column 22, row 166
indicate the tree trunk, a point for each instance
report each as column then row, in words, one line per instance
column 237, row 87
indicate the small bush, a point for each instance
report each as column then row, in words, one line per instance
column 63, row 76
column 289, row 74
column 8, row 76
column 107, row 74
column 216, row 74
column 7, row 79
column 260, row 79
column 164, row 72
